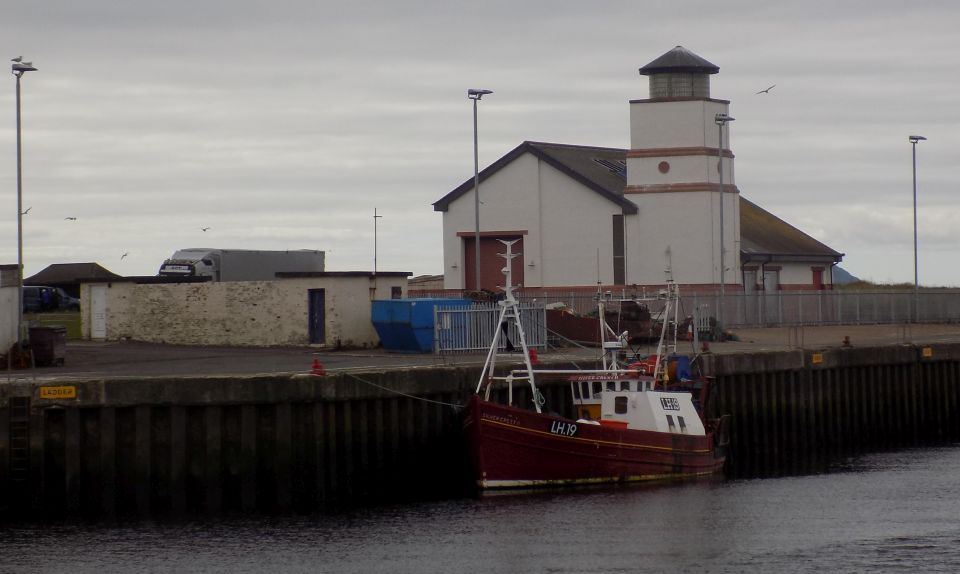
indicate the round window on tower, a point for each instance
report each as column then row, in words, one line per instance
column 664, row 167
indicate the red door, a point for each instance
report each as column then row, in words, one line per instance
column 491, row 262
column 818, row 278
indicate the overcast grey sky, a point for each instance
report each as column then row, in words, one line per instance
column 282, row 125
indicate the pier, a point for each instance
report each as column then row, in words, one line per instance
column 98, row 447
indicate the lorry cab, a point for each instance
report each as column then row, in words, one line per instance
column 190, row 263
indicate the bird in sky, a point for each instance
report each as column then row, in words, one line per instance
column 204, row 229
column 124, row 255
column 766, row 91
column 70, row 218
column 28, row 210
column 18, row 59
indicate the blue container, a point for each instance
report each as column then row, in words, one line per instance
column 406, row 325
column 682, row 367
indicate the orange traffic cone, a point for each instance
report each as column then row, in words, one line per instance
column 317, row 368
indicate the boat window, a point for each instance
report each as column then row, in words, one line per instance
column 683, row 424
column 585, row 389
column 597, row 388
column 611, row 385
column 576, row 391
column 624, row 385
column 620, row 405
column 670, row 421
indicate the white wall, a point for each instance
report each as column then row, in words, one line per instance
column 676, row 124
column 240, row 313
column 577, row 232
column 8, row 317
column 681, row 229
column 510, row 203
column 565, row 224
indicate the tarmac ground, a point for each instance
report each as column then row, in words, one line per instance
column 93, row 359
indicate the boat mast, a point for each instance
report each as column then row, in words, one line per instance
column 665, row 347
column 509, row 313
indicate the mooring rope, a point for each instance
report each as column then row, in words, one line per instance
column 389, row 390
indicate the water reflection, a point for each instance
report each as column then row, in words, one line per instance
column 884, row 512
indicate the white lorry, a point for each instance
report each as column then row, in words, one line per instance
column 239, row 264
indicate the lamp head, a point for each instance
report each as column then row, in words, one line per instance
column 721, row 119
column 915, row 139
column 19, row 68
column 475, row 94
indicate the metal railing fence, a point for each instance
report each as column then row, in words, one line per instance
column 782, row 308
column 471, row 329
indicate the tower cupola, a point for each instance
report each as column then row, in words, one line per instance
column 679, row 74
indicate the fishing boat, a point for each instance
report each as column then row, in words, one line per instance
column 631, row 422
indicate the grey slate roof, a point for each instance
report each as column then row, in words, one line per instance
column 69, row 273
column 679, row 59
column 762, row 234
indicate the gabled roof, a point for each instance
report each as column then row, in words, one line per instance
column 69, row 273
column 595, row 167
column 763, row 234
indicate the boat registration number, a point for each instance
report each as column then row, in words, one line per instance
column 669, row 403
column 563, row 429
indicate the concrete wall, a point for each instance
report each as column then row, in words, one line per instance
column 240, row 313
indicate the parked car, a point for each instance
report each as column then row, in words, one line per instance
column 67, row 302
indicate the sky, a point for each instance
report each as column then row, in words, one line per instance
column 285, row 124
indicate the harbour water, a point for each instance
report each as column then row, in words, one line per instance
column 886, row 512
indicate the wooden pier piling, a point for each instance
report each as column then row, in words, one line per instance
column 281, row 444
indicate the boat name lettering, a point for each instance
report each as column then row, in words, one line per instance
column 669, row 403
column 500, row 419
column 562, row 428
column 582, row 378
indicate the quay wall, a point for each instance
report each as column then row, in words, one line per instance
column 145, row 447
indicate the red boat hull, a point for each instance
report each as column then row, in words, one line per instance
column 517, row 448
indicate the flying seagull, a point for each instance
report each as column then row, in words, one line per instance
column 18, row 59
column 204, row 229
column 766, row 91
column 28, row 210
column 124, row 255
column 70, row 218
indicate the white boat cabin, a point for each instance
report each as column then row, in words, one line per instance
column 588, row 390
column 658, row 411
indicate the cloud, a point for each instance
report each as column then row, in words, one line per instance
column 282, row 125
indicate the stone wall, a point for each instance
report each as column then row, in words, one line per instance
column 240, row 312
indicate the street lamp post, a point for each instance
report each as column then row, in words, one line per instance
column 475, row 95
column 18, row 68
column 721, row 120
column 375, row 218
column 916, row 278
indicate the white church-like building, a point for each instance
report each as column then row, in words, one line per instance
column 627, row 217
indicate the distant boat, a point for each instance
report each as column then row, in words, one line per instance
column 634, row 423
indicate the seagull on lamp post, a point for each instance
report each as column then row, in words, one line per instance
column 18, row 59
